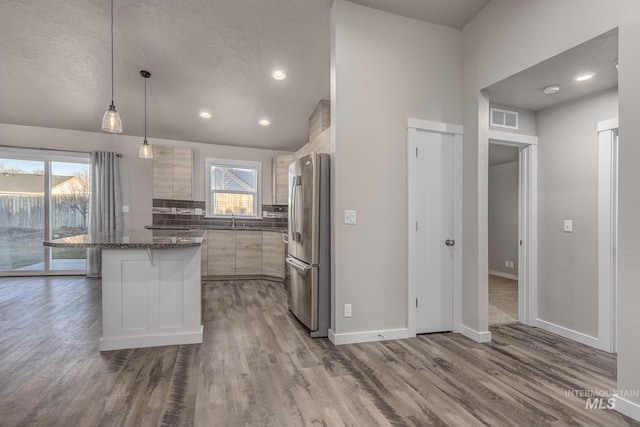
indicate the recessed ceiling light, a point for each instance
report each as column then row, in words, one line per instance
column 205, row 115
column 264, row 122
column 279, row 75
column 551, row 89
column 584, row 77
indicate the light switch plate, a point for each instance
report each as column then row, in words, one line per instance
column 568, row 226
column 174, row 210
column 347, row 310
column 198, row 211
column 349, row 217
column 125, row 208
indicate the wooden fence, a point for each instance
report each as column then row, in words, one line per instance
column 27, row 211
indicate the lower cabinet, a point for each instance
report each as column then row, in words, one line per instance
column 244, row 253
column 204, row 251
column 248, row 252
column 272, row 254
column 221, row 257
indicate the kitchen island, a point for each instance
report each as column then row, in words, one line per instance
column 151, row 292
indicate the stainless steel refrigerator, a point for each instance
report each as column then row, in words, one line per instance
column 309, row 257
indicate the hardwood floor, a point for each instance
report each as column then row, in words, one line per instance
column 257, row 367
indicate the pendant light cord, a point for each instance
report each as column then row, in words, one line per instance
column 145, row 109
column 111, row 52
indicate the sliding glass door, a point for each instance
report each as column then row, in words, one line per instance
column 43, row 195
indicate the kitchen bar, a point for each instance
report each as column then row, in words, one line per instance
column 150, row 286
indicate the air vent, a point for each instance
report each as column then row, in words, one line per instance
column 504, row 118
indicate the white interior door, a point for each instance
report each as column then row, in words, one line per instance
column 607, row 233
column 432, row 195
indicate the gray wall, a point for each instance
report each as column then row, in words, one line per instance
column 386, row 68
column 568, row 189
column 136, row 173
column 493, row 51
column 503, row 217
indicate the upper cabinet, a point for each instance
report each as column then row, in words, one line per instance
column 319, row 131
column 172, row 172
column 162, row 172
column 280, row 178
column 320, row 119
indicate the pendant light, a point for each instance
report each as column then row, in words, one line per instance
column 145, row 150
column 111, row 120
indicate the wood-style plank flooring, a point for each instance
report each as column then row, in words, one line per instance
column 257, row 367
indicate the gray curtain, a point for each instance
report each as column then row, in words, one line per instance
column 105, row 207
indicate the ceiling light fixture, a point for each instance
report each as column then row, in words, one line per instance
column 145, row 150
column 615, row 64
column 551, row 89
column 264, row 122
column 584, row 77
column 279, row 75
column 111, row 120
column 205, row 115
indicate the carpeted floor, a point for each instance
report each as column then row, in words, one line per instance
column 503, row 300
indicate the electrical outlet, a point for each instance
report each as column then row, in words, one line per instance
column 347, row 310
column 506, row 264
column 173, row 210
column 510, row 264
column 349, row 217
column 125, row 208
column 198, row 211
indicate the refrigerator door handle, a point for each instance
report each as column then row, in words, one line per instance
column 297, row 264
column 293, row 209
column 297, row 217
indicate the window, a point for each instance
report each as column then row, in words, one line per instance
column 233, row 188
column 44, row 195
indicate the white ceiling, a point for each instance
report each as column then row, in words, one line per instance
column 213, row 55
column 524, row 90
column 450, row 13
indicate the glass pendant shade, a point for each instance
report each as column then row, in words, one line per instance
column 145, row 150
column 111, row 120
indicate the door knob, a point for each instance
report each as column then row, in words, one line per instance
column 450, row 242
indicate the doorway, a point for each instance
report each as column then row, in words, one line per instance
column 43, row 195
column 503, row 202
column 434, row 178
column 527, row 257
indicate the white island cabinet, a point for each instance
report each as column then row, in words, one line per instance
column 151, row 293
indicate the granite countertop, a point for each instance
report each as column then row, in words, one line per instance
column 215, row 227
column 132, row 239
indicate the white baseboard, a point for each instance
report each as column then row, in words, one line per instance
column 369, row 336
column 505, row 275
column 569, row 333
column 480, row 337
column 139, row 341
column 628, row 408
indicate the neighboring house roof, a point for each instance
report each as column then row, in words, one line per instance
column 234, row 179
column 28, row 183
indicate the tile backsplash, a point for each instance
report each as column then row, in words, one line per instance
column 185, row 215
